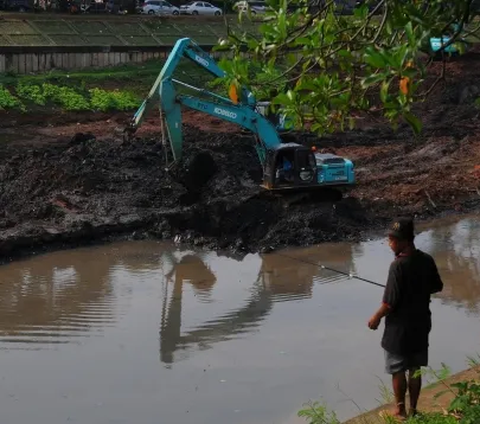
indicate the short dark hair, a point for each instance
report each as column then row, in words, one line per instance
column 402, row 229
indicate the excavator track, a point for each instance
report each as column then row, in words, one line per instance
column 290, row 198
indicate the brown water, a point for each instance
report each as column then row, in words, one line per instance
column 144, row 333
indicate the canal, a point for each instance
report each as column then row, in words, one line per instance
column 148, row 332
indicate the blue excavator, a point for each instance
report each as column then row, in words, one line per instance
column 286, row 165
column 439, row 44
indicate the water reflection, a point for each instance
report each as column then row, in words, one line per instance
column 54, row 299
column 292, row 277
column 280, row 278
column 66, row 296
column 263, row 333
column 191, row 269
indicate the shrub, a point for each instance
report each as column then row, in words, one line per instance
column 66, row 97
column 8, row 101
column 112, row 100
column 33, row 93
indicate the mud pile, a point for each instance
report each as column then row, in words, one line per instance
column 71, row 191
column 83, row 188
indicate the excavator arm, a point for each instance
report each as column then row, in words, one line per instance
column 220, row 107
column 184, row 48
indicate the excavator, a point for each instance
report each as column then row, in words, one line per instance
column 439, row 44
column 287, row 166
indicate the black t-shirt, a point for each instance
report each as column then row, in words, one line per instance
column 411, row 281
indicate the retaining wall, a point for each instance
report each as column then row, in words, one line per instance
column 38, row 60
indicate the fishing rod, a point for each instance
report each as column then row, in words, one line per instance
column 333, row 270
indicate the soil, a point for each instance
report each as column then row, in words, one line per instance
column 60, row 190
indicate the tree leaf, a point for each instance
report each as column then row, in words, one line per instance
column 413, row 121
column 373, row 79
column 375, row 59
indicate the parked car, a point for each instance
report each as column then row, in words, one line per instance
column 158, row 7
column 200, row 8
column 93, row 7
column 256, row 7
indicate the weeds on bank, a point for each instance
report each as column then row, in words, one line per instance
column 67, row 98
column 464, row 408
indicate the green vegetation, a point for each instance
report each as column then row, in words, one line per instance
column 7, row 100
column 93, row 89
column 464, row 408
column 133, row 76
column 334, row 66
column 26, row 96
column 112, row 100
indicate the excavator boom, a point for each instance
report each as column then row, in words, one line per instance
column 286, row 166
column 184, row 48
column 219, row 107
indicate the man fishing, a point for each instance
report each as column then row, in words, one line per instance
column 412, row 278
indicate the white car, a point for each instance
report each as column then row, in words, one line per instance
column 158, row 7
column 200, row 8
column 256, row 7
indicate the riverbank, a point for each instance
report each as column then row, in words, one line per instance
column 429, row 401
column 59, row 192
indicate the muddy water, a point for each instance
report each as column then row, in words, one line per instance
column 144, row 332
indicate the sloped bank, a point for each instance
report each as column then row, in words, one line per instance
column 82, row 190
column 71, row 192
column 77, row 190
column 435, row 397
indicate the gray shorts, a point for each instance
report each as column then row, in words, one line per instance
column 400, row 363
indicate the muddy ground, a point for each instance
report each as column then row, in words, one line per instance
column 56, row 191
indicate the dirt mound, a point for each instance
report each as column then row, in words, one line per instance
column 212, row 197
column 86, row 188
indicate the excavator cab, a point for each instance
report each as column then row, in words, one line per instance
column 278, row 120
column 290, row 166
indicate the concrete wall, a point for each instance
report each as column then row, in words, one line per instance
column 23, row 61
column 41, row 62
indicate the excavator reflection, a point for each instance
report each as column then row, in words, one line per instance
column 279, row 279
column 192, row 269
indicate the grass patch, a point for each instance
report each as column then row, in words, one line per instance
column 125, row 73
column 461, row 406
column 7, row 100
column 120, row 88
column 26, row 96
column 112, row 100
column 136, row 78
